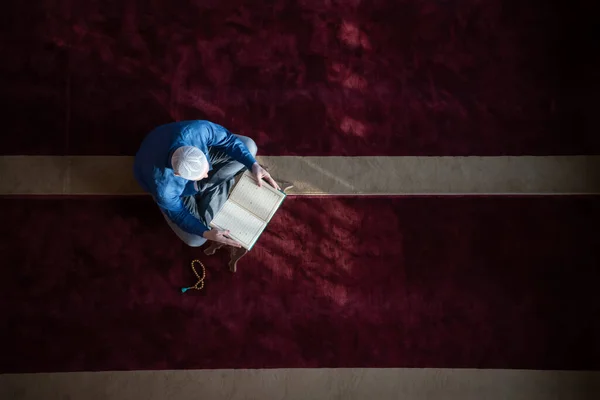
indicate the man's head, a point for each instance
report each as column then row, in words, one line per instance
column 190, row 163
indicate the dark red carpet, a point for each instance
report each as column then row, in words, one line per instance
column 93, row 284
column 379, row 77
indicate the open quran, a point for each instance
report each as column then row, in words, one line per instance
column 248, row 210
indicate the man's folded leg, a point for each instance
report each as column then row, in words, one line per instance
column 224, row 168
column 214, row 191
column 188, row 238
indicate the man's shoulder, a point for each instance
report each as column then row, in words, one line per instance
column 181, row 126
column 197, row 133
column 168, row 186
column 196, row 123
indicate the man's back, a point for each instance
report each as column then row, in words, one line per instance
column 152, row 167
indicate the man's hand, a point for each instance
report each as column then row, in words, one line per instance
column 221, row 237
column 260, row 173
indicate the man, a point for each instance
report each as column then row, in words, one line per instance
column 189, row 169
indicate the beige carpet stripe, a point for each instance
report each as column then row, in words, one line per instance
column 302, row 384
column 327, row 175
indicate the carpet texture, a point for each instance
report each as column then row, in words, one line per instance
column 381, row 77
column 93, row 284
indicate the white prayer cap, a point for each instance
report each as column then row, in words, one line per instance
column 189, row 162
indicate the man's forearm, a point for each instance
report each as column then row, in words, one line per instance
column 187, row 222
column 240, row 153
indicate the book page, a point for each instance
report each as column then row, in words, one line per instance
column 261, row 201
column 244, row 227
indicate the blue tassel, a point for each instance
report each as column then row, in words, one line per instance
column 185, row 289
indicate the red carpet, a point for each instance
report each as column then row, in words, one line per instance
column 93, row 284
column 381, row 77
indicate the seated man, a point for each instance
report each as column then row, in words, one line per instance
column 189, row 169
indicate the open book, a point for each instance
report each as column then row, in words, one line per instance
column 248, row 210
